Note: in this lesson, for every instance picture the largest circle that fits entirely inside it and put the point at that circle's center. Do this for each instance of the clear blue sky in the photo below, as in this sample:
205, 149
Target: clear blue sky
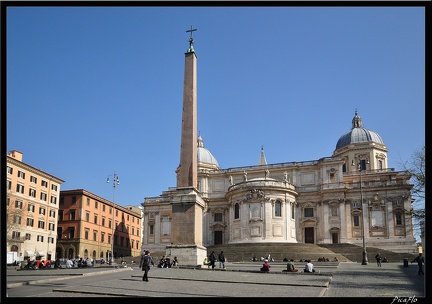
93, 91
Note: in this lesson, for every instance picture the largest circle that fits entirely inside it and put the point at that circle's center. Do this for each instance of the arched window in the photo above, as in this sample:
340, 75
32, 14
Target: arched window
236, 211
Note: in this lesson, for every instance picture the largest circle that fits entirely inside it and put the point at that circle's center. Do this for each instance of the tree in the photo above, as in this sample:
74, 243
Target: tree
416, 167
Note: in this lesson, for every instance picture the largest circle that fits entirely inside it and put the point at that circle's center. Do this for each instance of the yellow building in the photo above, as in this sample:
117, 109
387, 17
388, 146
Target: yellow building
32, 209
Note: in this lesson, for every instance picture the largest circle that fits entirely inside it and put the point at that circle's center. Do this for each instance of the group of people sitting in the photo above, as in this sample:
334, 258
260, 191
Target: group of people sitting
309, 267
165, 262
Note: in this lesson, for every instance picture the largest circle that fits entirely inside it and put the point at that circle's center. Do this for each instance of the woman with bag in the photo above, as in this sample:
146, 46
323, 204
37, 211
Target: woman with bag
145, 262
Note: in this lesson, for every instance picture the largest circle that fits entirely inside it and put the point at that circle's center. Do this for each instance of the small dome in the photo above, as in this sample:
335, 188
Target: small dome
204, 155
358, 134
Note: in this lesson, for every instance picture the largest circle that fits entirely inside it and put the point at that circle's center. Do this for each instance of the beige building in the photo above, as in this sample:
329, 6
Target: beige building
32, 209
349, 197
91, 226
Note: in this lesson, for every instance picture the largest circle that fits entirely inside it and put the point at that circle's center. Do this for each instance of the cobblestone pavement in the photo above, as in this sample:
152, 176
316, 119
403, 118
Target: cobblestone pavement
239, 280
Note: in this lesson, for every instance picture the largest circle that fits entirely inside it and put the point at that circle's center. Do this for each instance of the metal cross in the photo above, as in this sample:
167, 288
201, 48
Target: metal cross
191, 30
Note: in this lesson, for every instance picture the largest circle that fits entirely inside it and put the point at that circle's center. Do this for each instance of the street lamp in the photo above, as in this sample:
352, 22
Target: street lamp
362, 166
116, 182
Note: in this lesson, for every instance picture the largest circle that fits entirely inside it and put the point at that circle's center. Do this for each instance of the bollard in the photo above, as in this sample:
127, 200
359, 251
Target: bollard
405, 262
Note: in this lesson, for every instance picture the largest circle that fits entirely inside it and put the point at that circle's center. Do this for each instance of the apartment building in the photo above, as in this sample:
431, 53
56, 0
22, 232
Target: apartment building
32, 209
91, 226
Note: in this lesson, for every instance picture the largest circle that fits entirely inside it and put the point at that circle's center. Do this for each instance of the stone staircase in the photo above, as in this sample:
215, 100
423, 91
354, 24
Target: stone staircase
279, 251
297, 251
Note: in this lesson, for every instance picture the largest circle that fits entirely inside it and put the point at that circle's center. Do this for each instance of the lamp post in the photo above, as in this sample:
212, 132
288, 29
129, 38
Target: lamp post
360, 168
116, 182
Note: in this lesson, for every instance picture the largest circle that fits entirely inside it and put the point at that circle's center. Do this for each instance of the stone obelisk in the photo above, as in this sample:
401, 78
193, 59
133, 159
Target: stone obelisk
187, 205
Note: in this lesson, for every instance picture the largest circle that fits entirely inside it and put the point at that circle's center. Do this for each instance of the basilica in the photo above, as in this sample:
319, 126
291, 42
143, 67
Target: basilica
349, 197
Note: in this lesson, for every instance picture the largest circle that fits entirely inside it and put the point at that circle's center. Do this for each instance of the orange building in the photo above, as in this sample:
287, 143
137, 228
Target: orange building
87, 224
31, 209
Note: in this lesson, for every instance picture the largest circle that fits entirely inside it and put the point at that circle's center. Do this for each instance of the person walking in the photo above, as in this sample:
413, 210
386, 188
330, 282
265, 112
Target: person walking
420, 262
212, 259
221, 260
145, 262
378, 259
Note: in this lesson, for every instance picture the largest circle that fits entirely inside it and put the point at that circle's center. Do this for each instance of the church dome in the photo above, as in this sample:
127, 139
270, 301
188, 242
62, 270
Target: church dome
204, 156
358, 134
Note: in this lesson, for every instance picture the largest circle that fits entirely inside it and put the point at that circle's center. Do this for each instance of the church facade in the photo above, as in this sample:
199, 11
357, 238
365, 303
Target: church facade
338, 199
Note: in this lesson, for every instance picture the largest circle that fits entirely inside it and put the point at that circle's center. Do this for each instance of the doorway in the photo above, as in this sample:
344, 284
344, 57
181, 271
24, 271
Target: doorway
309, 235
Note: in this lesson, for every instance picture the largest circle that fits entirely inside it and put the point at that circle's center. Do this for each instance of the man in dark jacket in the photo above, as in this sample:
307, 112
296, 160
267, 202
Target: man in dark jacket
222, 260
212, 259
145, 262
420, 261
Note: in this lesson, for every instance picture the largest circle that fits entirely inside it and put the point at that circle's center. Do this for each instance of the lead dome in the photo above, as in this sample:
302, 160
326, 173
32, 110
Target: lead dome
358, 134
205, 158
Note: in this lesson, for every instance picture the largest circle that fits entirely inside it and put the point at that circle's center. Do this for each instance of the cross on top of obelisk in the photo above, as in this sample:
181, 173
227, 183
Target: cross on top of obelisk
191, 49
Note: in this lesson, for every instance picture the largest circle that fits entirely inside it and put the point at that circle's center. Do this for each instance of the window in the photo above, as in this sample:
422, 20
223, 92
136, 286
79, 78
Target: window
71, 232
52, 213
33, 179
72, 215
95, 235
32, 192
16, 235
133, 230
218, 217
51, 240
151, 230
334, 210
236, 211
18, 204
40, 238
21, 174
28, 236
278, 209
96, 204
86, 234
20, 188
356, 220
60, 232
51, 226
88, 201
308, 212
109, 238
9, 185
73, 199
42, 210
43, 196
60, 215
17, 219
87, 216
30, 222
110, 223
95, 219
103, 207
54, 187
44, 184
344, 168
53, 199
380, 164
102, 237
9, 170
398, 216
103, 222
31, 208
41, 224
292, 211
